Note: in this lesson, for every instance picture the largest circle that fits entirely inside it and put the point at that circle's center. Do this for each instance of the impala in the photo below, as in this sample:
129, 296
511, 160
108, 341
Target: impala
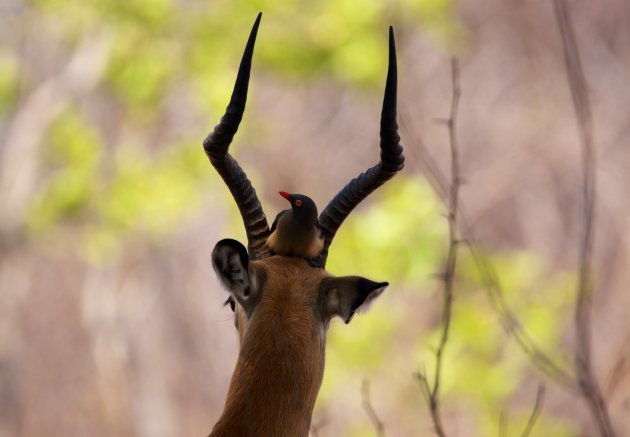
283, 305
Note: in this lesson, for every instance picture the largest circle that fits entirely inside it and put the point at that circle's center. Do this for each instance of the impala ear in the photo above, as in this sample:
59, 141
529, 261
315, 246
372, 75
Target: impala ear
231, 264
348, 294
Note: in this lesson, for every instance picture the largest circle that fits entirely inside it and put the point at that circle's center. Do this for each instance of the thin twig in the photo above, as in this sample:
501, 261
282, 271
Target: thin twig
431, 401
484, 265
587, 381
540, 398
379, 428
451, 262
432, 391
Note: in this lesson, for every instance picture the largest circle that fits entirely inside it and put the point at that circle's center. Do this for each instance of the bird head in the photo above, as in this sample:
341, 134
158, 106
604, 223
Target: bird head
303, 207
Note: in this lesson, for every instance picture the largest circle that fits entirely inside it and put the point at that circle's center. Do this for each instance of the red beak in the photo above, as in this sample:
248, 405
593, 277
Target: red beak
285, 195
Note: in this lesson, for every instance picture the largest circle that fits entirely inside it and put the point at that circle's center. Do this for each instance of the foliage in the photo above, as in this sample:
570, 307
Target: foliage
110, 187
9, 71
107, 191
398, 237
483, 366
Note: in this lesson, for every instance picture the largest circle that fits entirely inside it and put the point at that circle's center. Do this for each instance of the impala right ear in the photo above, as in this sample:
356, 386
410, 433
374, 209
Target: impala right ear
231, 264
346, 295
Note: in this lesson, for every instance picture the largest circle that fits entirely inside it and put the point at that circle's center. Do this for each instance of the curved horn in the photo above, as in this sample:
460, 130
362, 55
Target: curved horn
392, 161
216, 146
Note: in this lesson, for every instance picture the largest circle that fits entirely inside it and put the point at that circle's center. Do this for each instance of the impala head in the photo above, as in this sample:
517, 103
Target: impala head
287, 287
283, 305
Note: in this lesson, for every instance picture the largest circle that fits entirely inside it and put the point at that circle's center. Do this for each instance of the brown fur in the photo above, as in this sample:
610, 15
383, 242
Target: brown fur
284, 308
281, 362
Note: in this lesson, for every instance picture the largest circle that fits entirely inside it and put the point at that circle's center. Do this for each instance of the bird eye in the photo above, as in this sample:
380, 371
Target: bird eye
230, 301
298, 203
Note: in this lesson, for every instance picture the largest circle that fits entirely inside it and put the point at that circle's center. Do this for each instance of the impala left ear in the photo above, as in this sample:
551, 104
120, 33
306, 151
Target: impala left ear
346, 295
231, 264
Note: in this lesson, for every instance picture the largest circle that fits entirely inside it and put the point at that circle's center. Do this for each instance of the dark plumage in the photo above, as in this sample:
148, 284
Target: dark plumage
295, 231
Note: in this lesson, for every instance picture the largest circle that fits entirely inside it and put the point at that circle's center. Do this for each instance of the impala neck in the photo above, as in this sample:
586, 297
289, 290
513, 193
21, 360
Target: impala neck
276, 380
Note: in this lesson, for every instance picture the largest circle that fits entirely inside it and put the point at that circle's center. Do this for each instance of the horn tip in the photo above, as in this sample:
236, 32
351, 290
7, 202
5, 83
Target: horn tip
392, 40
392, 46
257, 22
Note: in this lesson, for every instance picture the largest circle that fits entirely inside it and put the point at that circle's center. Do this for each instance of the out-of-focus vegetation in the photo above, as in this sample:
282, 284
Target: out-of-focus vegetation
159, 50
485, 367
110, 316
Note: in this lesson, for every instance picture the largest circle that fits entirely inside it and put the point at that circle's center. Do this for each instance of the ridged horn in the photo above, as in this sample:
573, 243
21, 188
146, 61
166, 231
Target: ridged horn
391, 162
216, 146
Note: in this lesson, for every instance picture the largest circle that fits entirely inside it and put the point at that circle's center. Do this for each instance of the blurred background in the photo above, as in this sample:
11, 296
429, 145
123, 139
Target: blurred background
111, 318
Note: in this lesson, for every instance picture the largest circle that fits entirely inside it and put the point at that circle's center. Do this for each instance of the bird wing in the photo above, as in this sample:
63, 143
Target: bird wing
275, 221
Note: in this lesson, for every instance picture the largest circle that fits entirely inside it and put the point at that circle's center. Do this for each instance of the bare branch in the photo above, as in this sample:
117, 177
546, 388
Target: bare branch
588, 384
421, 376
425, 388
451, 262
490, 281
540, 398
379, 428
431, 392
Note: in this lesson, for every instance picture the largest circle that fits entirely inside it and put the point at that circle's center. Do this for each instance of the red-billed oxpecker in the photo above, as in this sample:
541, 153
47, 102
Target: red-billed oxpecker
296, 231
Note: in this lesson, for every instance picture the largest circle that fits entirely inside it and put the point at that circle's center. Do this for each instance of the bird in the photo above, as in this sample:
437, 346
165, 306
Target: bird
296, 231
